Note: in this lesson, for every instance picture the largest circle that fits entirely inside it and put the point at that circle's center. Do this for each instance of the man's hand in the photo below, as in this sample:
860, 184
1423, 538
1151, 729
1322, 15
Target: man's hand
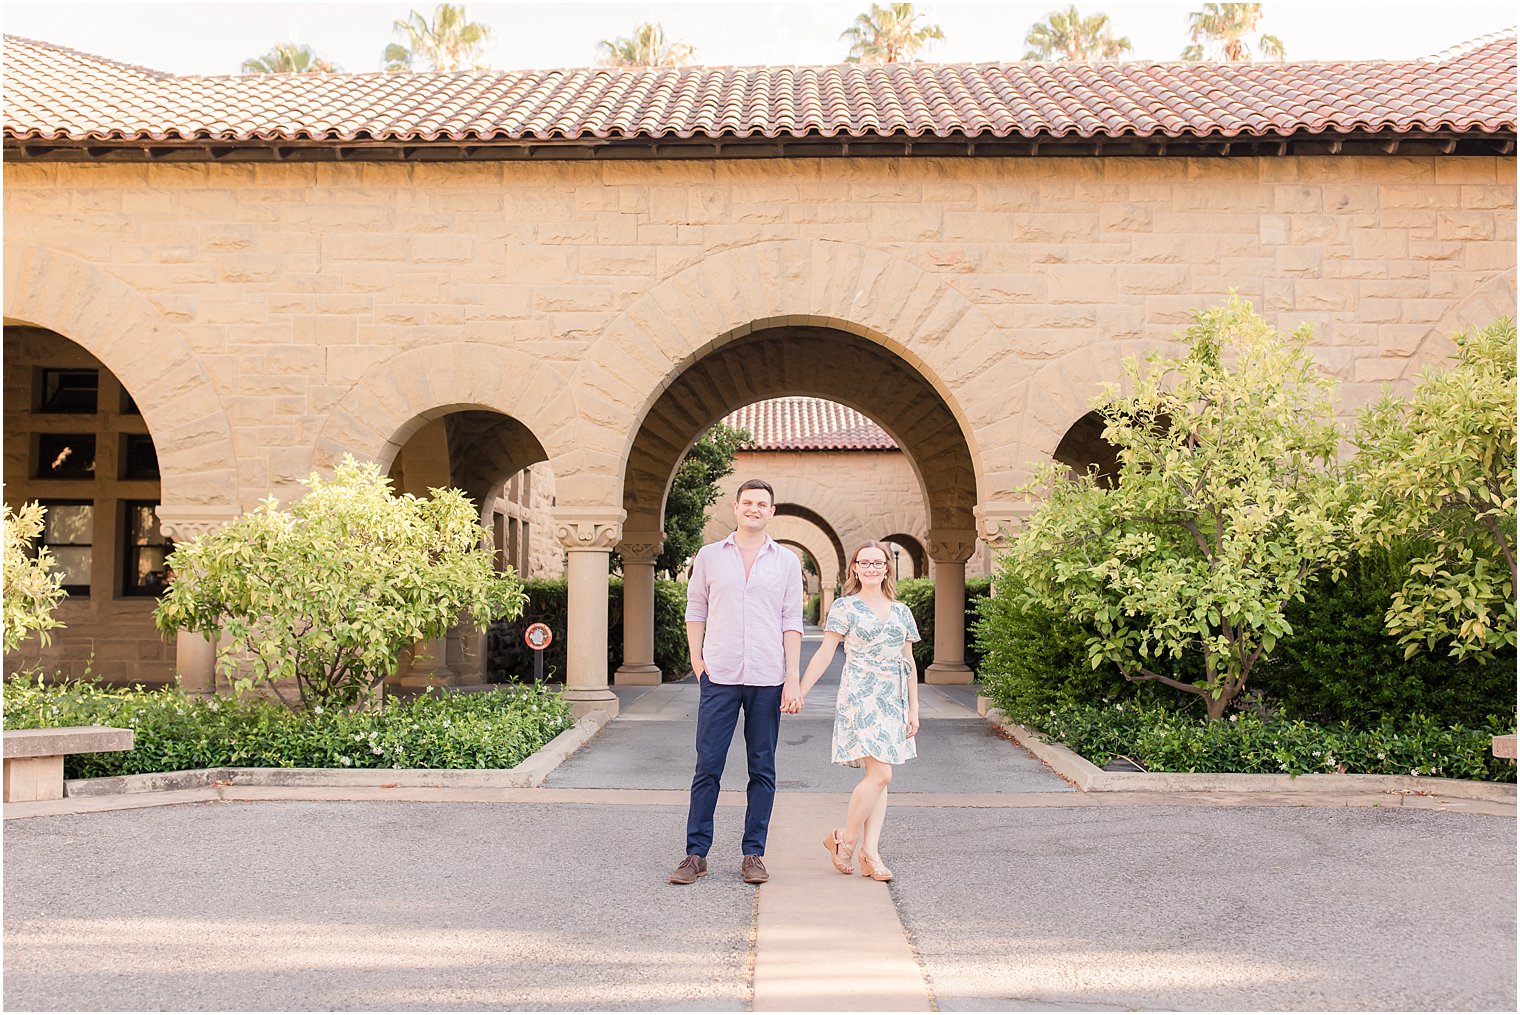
791, 695
699, 667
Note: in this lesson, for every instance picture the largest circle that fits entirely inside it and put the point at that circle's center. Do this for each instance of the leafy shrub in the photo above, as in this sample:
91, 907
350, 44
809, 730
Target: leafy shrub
1164, 740
173, 732
812, 608
1341, 664
330, 592
917, 594
1034, 659
548, 603
31, 587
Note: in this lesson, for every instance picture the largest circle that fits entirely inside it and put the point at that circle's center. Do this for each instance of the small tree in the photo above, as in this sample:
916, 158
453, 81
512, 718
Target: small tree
695, 489
450, 42
32, 587
1441, 466
889, 34
1228, 502
330, 592
646, 47
287, 58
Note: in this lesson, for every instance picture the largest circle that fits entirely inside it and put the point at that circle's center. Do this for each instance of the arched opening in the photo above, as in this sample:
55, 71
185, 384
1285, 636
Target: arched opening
908, 556
77, 442
1084, 450
498, 463
820, 363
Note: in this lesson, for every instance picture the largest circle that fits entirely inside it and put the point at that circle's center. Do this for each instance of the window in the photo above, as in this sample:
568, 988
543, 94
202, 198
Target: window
129, 404
527, 488
69, 390
527, 550
65, 456
144, 572
498, 538
68, 533
512, 544
139, 458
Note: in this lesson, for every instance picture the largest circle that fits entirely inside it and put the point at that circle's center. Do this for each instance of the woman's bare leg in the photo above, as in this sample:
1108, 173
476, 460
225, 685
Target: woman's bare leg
863, 801
872, 847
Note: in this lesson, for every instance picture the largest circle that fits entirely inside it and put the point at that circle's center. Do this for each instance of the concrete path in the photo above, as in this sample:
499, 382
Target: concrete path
1012, 893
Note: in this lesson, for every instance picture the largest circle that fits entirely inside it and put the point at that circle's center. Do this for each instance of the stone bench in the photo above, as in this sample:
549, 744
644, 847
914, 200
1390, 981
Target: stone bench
1504, 747
34, 758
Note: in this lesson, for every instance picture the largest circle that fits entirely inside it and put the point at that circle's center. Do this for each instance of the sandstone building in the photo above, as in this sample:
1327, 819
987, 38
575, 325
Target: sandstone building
215, 285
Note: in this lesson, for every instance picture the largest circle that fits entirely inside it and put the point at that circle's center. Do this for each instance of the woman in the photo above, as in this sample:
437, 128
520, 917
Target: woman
877, 708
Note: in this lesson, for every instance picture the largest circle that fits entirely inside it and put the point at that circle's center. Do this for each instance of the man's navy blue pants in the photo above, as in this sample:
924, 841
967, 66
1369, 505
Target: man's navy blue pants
717, 714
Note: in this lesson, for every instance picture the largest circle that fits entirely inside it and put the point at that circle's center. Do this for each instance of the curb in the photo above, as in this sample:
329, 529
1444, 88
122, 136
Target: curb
1089, 778
526, 774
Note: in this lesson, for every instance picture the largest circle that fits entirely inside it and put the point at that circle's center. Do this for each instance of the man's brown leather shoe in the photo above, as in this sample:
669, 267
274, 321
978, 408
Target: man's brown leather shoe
753, 870
689, 870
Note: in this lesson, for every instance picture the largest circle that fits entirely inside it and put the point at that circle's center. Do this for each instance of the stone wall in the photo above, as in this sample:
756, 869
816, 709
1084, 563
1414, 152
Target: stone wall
269, 318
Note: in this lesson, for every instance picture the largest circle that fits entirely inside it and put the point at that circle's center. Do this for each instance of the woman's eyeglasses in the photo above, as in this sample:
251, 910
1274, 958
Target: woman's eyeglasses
871, 565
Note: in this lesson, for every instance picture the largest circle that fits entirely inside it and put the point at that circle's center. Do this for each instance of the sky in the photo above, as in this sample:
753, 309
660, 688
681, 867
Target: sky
215, 37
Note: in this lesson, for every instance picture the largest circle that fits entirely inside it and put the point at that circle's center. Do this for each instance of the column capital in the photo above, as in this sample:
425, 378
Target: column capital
588, 528
996, 523
951, 545
183, 523
641, 546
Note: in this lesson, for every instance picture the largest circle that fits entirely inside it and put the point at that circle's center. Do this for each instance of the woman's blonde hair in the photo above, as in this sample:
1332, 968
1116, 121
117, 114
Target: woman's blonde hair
852, 580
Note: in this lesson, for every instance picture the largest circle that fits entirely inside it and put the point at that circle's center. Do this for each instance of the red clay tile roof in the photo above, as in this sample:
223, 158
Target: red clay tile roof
808, 424
58, 94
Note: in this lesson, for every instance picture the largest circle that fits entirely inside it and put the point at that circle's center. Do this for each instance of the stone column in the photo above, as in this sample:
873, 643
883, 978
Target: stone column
588, 537
639, 553
194, 653
949, 551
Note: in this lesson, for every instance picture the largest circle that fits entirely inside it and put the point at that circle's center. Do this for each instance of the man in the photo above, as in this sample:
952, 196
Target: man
744, 628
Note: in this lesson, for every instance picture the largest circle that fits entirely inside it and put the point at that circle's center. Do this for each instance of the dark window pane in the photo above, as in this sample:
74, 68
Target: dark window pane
73, 562
65, 456
139, 458
144, 572
70, 390
68, 524
129, 404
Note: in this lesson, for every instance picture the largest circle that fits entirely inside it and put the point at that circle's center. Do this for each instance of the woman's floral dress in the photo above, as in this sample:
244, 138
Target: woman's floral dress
871, 718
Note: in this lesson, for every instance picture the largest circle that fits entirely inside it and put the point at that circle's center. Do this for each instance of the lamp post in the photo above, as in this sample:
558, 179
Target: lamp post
896, 568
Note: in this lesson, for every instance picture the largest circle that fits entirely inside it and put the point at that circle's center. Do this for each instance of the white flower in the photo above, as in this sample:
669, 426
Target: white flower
1382, 756
1414, 771
1233, 717
317, 709
1316, 754
376, 750
343, 759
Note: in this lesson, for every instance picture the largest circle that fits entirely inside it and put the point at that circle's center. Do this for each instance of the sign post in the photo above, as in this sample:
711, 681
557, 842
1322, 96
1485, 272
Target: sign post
538, 638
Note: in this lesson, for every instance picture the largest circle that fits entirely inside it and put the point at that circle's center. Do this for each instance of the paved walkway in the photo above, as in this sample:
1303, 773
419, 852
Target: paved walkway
1013, 893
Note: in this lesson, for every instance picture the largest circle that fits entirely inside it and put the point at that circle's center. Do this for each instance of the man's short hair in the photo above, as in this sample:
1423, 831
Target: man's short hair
755, 484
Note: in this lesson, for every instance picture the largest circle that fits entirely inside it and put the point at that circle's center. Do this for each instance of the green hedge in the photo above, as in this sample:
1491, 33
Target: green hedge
1164, 740
1339, 665
497, 729
509, 659
918, 595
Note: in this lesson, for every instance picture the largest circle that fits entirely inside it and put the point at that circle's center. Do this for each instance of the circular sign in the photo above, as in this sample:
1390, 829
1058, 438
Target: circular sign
538, 636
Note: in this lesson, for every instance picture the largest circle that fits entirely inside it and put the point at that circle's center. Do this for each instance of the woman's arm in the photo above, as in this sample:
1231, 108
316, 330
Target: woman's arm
820, 661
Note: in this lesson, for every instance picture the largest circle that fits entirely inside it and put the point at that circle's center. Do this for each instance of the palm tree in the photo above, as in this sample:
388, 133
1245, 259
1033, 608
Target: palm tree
647, 47
888, 34
1222, 29
1067, 35
287, 58
450, 43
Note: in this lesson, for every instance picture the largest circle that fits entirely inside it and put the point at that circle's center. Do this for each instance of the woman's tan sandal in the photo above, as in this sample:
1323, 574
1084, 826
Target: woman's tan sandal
835, 846
875, 870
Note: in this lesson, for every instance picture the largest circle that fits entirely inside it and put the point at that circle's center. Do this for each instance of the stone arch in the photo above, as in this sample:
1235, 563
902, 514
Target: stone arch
396, 398
916, 552
805, 360
841, 515
1491, 300
847, 290
1083, 447
821, 543
116, 324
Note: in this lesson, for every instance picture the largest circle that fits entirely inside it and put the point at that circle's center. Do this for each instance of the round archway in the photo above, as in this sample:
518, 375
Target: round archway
846, 367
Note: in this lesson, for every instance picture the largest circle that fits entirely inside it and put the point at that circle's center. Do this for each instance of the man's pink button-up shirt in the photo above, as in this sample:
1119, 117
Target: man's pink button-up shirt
745, 617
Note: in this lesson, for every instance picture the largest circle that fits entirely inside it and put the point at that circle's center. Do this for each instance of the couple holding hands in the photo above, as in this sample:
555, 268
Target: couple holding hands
744, 629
